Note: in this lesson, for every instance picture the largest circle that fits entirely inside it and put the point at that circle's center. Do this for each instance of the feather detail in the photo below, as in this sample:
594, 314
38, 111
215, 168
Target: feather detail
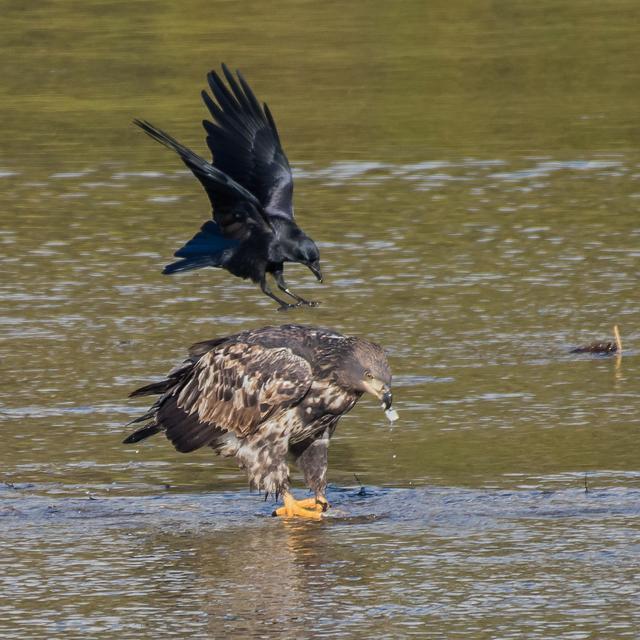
262, 395
245, 143
237, 386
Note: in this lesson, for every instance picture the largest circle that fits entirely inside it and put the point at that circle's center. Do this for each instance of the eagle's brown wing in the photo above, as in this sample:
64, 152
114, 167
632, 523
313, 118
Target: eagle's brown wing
233, 388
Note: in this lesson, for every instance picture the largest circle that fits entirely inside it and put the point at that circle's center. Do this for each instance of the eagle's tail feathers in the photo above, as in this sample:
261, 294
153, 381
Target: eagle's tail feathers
153, 389
142, 434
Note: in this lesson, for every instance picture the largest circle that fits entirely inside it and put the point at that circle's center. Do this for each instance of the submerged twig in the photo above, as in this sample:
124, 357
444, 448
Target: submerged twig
363, 491
586, 482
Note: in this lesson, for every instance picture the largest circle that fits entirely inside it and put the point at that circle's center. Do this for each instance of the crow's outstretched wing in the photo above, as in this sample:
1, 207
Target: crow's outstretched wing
245, 143
236, 210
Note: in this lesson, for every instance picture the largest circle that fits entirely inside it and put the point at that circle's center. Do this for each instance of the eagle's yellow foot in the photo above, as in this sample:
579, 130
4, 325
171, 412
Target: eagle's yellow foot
315, 504
293, 507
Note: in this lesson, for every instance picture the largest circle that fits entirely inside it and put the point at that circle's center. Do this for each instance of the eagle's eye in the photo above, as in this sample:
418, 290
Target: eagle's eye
368, 374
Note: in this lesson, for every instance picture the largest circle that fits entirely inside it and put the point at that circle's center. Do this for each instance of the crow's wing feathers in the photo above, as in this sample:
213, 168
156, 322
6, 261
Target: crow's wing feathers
245, 143
210, 177
237, 210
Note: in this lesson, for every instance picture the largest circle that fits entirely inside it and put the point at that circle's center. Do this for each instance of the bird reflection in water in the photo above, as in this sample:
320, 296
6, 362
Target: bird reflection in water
258, 579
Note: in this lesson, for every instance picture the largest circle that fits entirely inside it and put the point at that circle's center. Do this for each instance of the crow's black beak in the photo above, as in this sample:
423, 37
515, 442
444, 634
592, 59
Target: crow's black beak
315, 269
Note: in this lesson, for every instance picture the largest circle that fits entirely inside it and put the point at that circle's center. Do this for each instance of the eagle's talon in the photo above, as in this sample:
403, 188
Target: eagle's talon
314, 504
293, 507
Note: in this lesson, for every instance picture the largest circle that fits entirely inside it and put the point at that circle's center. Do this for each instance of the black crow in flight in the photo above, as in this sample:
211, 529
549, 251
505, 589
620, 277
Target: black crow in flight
250, 186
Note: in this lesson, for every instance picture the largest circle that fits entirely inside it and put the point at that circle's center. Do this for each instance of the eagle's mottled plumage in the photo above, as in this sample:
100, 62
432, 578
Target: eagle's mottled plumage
264, 394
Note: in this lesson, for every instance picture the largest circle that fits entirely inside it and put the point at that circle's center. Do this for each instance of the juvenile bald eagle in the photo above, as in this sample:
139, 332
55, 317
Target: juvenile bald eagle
250, 187
265, 394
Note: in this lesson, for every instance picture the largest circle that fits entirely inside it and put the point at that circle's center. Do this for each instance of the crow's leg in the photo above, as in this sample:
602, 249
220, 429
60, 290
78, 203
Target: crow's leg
283, 286
265, 289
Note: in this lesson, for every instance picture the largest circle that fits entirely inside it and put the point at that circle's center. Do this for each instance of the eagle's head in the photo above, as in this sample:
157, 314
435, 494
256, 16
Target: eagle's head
366, 369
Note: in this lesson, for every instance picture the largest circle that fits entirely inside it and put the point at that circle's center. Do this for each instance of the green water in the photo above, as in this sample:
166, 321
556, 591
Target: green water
471, 173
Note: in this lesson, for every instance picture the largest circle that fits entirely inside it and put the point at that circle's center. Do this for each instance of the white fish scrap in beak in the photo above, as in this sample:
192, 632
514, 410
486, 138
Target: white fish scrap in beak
392, 414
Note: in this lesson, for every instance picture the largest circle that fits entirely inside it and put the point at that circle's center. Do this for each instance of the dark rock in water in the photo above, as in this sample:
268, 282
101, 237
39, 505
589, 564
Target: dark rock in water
602, 348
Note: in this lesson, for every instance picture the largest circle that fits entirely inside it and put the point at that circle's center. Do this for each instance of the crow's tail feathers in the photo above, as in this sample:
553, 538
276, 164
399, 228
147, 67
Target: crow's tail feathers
190, 264
203, 170
208, 248
209, 241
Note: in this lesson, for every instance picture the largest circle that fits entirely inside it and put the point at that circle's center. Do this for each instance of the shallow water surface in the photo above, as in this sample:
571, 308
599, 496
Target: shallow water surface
436, 561
472, 176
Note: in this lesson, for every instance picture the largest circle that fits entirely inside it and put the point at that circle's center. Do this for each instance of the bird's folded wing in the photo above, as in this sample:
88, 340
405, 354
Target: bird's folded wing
245, 143
238, 386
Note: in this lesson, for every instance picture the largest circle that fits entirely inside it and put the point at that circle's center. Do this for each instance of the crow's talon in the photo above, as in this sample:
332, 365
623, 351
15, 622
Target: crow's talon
286, 307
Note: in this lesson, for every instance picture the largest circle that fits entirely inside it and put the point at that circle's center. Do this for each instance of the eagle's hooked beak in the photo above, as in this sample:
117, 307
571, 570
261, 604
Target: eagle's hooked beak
382, 391
387, 399
315, 269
